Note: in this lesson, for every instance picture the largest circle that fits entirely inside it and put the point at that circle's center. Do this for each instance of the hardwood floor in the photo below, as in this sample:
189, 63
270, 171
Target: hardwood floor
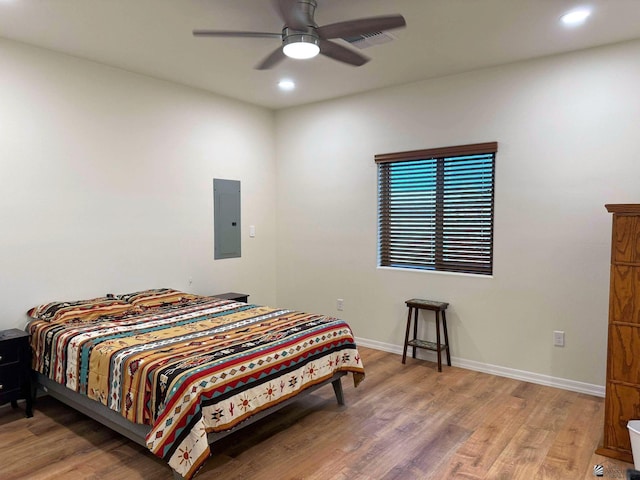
403, 422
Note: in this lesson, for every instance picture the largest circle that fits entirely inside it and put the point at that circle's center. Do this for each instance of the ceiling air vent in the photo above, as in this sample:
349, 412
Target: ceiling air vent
370, 39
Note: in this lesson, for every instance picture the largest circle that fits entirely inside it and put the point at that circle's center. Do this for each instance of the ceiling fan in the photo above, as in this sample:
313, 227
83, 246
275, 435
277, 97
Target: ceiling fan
302, 38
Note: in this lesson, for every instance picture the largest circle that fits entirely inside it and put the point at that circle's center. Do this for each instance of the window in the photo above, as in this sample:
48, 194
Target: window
435, 209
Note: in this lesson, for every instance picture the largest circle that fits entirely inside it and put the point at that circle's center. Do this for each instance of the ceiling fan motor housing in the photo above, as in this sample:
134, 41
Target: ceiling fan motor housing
308, 10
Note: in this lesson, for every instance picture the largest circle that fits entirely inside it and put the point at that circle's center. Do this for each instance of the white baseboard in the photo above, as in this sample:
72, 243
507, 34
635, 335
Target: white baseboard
563, 383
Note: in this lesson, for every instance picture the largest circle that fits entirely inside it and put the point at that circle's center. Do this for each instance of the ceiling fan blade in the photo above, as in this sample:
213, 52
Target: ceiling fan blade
271, 60
292, 15
342, 54
231, 33
362, 26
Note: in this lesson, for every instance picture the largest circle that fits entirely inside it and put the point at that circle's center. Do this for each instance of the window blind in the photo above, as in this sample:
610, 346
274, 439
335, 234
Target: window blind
435, 209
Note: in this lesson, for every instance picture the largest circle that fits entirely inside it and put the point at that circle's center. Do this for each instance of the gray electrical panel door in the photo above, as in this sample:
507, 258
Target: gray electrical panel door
226, 218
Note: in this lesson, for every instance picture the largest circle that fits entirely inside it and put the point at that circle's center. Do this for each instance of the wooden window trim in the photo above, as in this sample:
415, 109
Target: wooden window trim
455, 151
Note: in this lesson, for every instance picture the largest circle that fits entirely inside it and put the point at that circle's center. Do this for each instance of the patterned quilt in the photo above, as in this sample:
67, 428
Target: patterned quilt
192, 367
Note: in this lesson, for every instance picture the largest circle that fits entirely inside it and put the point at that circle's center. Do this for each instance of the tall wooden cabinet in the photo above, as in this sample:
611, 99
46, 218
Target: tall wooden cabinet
622, 401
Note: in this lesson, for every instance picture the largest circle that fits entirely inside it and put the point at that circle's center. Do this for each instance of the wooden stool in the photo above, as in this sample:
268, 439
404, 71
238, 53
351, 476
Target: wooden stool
415, 305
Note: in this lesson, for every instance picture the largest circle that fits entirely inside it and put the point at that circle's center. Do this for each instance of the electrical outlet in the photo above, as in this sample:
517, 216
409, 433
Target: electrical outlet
558, 338
340, 304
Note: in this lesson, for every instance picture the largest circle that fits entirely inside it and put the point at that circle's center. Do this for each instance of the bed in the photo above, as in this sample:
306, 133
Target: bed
175, 371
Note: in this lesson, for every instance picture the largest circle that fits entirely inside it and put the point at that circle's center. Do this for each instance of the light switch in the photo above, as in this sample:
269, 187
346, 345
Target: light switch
252, 231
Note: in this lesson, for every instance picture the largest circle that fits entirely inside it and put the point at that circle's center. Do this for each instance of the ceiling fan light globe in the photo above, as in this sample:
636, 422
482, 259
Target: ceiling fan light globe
301, 47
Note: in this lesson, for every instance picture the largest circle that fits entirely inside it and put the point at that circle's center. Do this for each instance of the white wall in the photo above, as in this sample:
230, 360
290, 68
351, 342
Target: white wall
567, 128
106, 184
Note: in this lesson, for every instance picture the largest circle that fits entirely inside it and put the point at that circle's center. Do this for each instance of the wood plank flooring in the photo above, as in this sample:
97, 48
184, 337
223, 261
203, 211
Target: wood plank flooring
403, 422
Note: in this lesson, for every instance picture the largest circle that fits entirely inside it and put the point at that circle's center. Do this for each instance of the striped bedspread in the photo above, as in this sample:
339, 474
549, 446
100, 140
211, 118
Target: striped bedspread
193, 367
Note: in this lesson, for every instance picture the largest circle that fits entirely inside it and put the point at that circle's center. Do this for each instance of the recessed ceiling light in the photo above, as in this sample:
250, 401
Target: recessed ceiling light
575, 17
286, 84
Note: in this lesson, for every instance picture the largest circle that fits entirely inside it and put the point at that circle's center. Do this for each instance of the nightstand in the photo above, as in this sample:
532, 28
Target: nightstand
238, 297
15, 368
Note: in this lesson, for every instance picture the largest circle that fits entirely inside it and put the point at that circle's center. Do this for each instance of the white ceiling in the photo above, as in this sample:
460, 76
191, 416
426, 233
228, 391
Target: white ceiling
153, 37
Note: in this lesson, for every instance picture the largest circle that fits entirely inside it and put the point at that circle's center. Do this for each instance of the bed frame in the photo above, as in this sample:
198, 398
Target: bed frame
138, 433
